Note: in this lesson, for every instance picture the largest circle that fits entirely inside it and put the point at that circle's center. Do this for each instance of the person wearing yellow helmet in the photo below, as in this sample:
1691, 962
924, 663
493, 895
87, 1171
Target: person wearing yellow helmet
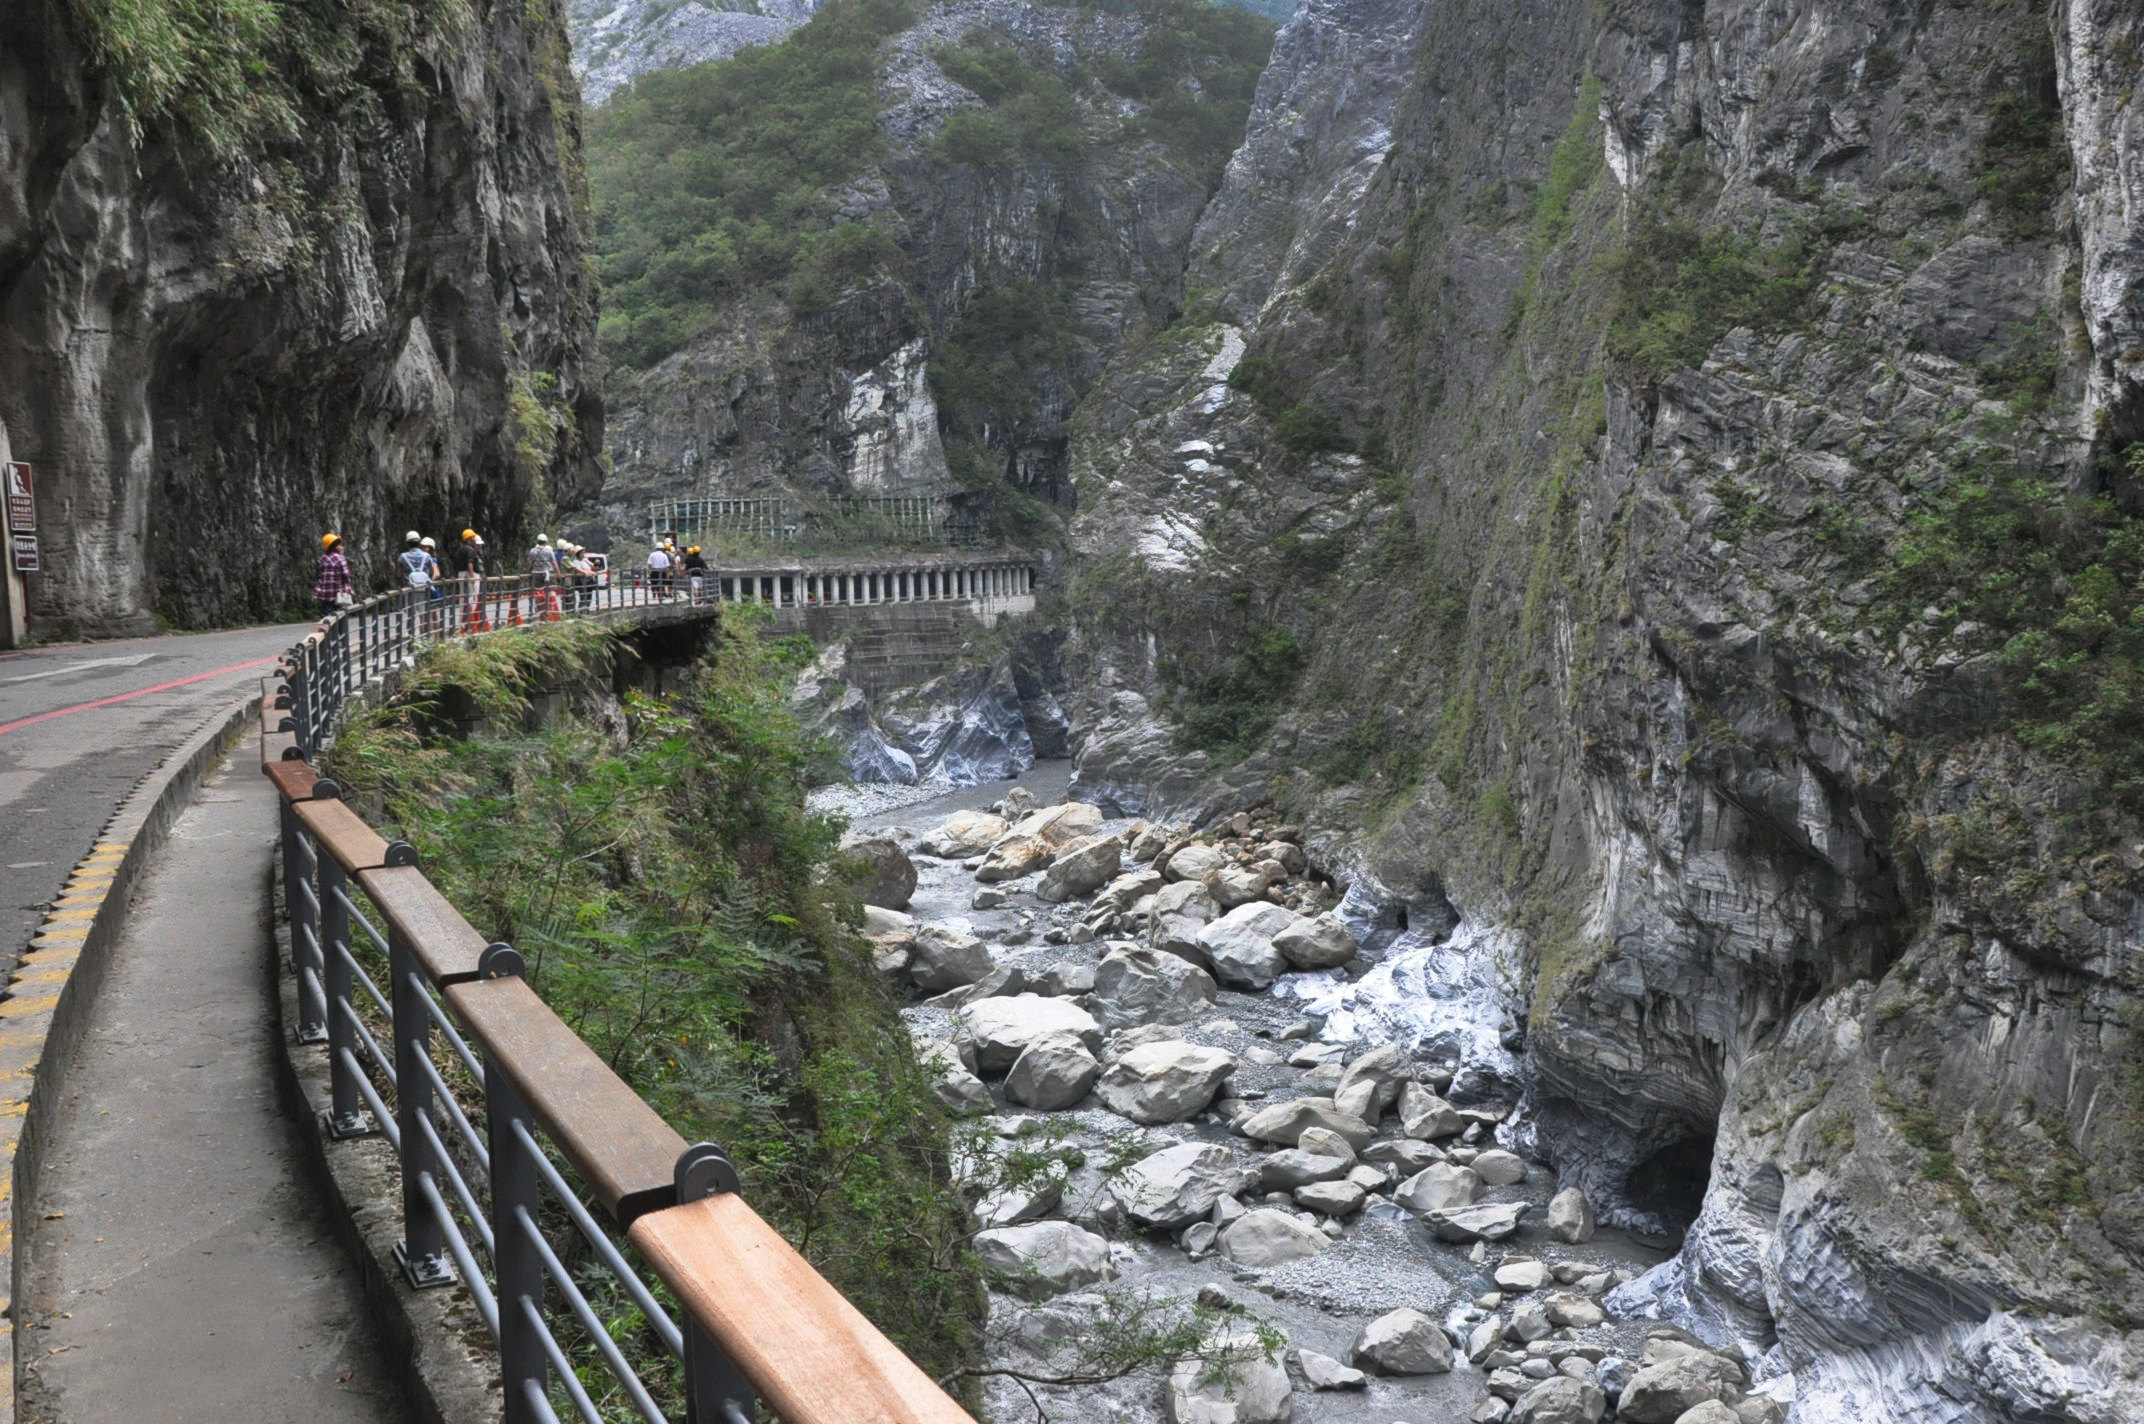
696, 570
331, 584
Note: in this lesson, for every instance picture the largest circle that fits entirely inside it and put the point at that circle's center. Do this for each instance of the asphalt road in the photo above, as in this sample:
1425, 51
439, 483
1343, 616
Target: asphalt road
80, 724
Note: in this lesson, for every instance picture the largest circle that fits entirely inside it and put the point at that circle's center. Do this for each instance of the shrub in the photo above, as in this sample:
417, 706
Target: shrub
1227, 710
2054, 577
2024, 161
1299, 425
1678, 289
665, 881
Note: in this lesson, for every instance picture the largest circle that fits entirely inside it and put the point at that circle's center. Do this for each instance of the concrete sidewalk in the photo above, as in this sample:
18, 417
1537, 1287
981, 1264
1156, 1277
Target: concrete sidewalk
186, 1269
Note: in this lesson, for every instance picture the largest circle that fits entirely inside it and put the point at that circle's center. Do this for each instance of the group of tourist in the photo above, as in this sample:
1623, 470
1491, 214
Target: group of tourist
560, 569
666, 565
566, 567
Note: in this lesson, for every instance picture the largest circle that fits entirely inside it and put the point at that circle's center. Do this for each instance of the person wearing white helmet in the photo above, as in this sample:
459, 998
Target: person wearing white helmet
435, 592
543, 562
415, 562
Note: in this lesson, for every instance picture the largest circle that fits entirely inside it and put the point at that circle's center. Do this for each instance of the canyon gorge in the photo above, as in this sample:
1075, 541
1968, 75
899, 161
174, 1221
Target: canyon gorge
1620, 522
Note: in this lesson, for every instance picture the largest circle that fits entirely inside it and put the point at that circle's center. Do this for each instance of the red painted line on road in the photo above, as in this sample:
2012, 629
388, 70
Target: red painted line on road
7, 727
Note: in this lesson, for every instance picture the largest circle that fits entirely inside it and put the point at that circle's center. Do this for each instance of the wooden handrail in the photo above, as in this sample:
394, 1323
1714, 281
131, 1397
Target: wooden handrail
811, 1355
294, 778
446, 945
342, 834
621, 1147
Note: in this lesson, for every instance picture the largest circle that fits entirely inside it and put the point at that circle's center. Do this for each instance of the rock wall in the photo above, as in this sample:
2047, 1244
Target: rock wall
368, 309
1607, 380
614, 40
845, 400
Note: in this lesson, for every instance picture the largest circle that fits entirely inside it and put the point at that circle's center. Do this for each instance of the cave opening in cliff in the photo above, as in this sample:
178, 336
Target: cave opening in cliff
1670, 1185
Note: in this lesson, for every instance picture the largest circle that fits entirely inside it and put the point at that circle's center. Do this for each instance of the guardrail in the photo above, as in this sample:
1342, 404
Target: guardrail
757, 1321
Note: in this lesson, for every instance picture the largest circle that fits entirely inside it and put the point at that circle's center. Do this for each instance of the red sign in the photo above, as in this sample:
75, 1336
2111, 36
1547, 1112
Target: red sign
25, 553
21, 503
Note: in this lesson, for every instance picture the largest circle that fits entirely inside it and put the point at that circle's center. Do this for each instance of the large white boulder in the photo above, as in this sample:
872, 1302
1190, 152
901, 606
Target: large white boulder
1165, 1082
878, 870
963, 834
946, 958
1463, 1224
1437, 1187
1331, 1198
1266, 1237
1425, 1115
1054, 1071
1013, 857
952, 1081
1403, 1342
1284, 1122
1233, 885
1320, 943
1045, 1258
1232, 1381
1561, 1400
1325, 1372
1058, 826
1192, 862
1180, 911
1178, 1185
1292, 1167
1001, 1028
1239, 945
1663, 1391
1499, 1168
1570, 1216
1081, 868
1141, 986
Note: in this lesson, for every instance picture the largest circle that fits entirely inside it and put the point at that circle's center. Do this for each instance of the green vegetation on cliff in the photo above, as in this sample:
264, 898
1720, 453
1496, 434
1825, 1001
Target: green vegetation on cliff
724, 179
716, 177
2050, 579
656, 865
237, 72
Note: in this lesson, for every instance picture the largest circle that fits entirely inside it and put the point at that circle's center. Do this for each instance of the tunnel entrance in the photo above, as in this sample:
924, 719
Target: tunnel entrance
1669, 1186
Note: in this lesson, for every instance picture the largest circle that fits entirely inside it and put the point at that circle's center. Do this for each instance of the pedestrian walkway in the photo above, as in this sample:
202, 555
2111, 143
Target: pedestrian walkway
184, 1269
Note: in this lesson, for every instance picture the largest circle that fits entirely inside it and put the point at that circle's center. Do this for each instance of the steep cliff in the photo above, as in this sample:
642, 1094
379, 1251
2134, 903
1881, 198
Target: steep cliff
267, 271
613, 40
888, 255
1657, 479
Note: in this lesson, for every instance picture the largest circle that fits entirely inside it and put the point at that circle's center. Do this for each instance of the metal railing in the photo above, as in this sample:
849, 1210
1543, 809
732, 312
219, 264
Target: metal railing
566, 1154
363, 643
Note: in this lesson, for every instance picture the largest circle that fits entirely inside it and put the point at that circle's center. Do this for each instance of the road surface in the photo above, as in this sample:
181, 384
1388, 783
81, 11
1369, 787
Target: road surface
183, 1266
80, 724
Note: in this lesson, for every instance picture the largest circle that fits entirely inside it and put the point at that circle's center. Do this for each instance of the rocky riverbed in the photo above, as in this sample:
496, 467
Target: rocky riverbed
1212, 1098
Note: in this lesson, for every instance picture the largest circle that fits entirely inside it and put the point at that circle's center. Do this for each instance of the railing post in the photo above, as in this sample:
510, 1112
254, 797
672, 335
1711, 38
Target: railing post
715, 1393
302, 896
346, 1113
301, 704
515, 1197
422, 1249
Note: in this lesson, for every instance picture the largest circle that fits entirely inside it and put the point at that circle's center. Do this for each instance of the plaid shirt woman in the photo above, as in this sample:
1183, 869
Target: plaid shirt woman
333, 585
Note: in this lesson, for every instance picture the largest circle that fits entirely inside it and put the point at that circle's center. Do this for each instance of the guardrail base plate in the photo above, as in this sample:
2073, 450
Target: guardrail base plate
424, 1272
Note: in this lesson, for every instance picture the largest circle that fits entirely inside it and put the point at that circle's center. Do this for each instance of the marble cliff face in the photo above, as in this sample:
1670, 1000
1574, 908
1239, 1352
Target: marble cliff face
369, 310
1616, 565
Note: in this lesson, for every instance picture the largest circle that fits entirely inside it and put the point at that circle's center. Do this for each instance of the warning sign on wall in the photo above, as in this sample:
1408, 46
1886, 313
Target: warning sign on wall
21, 501
25, 553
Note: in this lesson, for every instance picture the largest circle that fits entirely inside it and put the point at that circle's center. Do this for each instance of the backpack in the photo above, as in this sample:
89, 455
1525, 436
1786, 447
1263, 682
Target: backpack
416, 567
